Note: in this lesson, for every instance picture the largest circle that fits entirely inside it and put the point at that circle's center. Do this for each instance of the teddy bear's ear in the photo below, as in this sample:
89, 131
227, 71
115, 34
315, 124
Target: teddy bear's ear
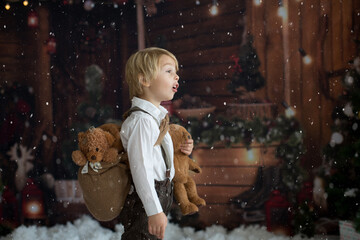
110, 138
81, 136
186, 135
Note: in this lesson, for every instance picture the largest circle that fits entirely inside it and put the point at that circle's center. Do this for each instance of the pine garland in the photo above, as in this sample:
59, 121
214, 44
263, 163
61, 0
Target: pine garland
282, 131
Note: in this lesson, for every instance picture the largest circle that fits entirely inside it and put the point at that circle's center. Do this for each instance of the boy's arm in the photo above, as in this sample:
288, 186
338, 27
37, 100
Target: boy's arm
140, 151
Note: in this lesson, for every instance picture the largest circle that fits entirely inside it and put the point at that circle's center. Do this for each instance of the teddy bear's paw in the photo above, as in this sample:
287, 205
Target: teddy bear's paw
78, 158
198, 201
188, 209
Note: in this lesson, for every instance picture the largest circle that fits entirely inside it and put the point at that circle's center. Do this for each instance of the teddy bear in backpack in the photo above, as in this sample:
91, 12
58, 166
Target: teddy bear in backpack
104, 174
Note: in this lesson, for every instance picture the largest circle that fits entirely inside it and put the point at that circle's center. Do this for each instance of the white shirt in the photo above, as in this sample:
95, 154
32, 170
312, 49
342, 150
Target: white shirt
139, 133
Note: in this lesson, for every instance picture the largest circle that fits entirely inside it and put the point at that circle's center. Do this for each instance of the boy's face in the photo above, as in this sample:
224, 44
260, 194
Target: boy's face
165, 84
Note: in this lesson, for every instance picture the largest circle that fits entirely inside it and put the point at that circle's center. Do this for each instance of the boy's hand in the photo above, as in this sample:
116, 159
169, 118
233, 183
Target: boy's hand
157, 225
187, 147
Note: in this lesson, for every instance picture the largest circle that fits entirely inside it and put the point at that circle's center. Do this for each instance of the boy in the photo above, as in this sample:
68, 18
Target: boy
152, 78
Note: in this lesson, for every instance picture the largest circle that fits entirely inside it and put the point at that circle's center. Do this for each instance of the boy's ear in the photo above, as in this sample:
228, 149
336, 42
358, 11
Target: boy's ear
142, 81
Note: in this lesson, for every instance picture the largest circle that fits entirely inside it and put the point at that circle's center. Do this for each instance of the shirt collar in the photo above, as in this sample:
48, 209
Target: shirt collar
157, 113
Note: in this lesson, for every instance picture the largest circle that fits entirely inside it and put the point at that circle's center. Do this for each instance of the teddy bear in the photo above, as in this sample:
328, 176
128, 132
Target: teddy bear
98, 144
184, 186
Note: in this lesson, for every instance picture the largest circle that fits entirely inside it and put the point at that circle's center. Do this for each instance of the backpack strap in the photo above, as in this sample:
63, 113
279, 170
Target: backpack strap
164, 128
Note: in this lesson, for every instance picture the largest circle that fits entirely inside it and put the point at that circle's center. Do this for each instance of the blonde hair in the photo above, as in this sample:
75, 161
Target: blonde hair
146, 63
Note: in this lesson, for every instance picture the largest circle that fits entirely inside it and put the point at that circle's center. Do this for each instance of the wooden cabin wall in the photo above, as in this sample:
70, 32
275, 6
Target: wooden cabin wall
325, 30
203, 45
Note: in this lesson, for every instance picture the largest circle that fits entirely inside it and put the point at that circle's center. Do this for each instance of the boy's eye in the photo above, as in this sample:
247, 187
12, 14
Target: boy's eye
169, 71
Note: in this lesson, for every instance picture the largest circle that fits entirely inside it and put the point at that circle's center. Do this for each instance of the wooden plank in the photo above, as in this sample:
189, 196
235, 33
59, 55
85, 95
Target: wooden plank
225, 176
311, 91
179, 13
11, 77
222, 38
208, 56
174, 6
235, 157
274, 59
349, 46
190, 29
295, 58
220, 194
356, 7
9, 37
336, 88
10, 49
211, 88
209, 71
326, 8
327, 105
337, 47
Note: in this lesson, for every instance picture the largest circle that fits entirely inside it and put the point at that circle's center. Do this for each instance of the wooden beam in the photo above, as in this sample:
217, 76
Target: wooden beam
140, 24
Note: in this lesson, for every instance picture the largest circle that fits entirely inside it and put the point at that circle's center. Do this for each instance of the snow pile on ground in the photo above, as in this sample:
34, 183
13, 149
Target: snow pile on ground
89, 229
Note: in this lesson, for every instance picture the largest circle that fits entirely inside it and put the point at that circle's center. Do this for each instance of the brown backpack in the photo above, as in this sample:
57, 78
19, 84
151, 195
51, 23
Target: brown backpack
105, 191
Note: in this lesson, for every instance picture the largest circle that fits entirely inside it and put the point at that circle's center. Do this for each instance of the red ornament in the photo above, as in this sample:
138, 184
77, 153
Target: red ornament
32, 201
278, 213
236, 67
51, 45
33, 19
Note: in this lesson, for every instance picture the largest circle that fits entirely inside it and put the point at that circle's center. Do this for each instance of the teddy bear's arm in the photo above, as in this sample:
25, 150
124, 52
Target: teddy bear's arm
180, 174
79, 158
193, 166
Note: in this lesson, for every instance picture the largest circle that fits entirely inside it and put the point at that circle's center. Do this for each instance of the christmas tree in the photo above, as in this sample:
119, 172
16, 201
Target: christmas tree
343, 151
90, 112
246, 74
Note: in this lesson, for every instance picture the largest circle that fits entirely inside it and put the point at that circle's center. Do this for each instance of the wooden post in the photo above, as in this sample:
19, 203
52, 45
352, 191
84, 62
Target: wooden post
140, 24
43, 91
311, 90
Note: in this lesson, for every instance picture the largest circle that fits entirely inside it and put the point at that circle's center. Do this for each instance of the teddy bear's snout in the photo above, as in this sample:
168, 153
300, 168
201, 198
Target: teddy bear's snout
94, 156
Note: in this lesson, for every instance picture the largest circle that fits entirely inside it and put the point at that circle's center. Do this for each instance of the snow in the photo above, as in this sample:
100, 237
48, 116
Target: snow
89, 229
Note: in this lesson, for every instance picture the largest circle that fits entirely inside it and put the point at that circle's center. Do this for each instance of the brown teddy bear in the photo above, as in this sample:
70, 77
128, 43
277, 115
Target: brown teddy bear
98, 144
184, 186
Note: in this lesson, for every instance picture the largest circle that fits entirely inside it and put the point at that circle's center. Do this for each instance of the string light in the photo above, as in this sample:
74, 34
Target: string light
282, 11
214, 8
7, 6
250, 154
289, 111
306, 58
25, 3
257, 2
